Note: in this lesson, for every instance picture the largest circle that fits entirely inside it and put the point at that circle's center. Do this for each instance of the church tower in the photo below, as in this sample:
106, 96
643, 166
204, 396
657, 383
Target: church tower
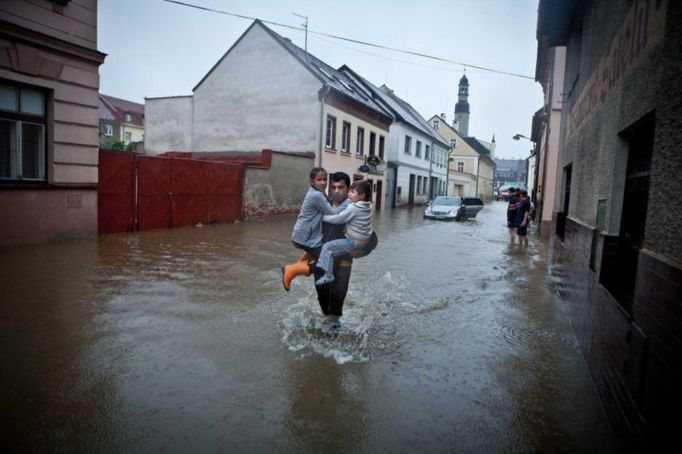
462, 107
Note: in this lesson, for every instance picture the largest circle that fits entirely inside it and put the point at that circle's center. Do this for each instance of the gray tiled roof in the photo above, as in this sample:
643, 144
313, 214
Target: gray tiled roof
402, 110
328, 75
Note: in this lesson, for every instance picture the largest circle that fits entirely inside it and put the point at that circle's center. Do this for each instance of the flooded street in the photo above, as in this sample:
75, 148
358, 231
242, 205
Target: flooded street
184, 340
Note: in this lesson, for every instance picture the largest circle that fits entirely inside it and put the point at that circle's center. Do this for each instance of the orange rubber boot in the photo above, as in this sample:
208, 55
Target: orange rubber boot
289, 272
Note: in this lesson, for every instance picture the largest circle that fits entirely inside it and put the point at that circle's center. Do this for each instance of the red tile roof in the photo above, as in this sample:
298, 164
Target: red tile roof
115, 109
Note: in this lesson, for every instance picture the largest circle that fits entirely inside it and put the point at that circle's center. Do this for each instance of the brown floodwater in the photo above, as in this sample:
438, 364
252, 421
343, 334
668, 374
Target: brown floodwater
184, 340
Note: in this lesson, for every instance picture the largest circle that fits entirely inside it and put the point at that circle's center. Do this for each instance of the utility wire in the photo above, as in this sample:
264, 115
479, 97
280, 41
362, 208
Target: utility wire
356, 41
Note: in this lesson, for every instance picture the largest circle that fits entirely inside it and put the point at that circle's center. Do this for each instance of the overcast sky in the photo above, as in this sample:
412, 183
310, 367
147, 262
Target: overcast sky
157, 48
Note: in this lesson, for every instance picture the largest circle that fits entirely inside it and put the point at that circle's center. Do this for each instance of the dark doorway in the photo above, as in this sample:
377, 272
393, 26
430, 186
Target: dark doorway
640, 139
379, 196
410, 194
561, 216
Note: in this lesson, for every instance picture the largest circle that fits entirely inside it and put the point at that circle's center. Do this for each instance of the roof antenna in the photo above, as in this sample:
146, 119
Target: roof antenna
305, 26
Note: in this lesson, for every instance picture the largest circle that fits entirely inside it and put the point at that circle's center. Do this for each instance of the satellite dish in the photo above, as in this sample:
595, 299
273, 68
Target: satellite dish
381, 167
363, 168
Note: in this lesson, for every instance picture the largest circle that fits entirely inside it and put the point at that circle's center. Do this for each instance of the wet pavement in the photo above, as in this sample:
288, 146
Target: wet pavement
183, 340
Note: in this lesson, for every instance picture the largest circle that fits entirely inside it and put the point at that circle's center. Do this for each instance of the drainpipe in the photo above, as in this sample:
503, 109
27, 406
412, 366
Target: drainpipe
323, 94
433, 149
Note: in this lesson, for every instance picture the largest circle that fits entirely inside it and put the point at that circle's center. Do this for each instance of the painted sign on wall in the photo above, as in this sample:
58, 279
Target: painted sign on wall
642, 29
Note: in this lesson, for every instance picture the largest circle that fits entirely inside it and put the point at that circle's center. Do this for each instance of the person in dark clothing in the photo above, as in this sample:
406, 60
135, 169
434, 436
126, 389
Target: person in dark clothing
523, 217
332, 296
511, 213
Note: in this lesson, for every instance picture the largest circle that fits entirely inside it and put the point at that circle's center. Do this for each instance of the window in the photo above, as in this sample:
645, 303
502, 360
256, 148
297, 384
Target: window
419, 185
345, 137
436, 124
128, 136
129, 117
427, 149
22, 132
382, 142
408, 145
418, 151
372, 140
453, 143
330, 141
460, 166
360, 143
108, 130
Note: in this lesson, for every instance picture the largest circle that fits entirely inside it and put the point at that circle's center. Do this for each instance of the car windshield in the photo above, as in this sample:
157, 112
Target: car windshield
450, 201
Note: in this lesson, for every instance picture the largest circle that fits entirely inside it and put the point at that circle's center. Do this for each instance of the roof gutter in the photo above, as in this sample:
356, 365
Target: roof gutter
324, 91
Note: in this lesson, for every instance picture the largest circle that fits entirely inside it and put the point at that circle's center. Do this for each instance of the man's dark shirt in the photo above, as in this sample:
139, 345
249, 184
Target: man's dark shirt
511, 209
332, 296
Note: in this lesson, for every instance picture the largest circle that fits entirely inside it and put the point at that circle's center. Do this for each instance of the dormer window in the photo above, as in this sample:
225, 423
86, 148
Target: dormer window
436, 124
129, 117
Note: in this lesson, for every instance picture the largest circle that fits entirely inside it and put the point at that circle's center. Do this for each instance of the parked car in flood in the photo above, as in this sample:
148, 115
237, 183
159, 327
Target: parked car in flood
446, 208
472, 206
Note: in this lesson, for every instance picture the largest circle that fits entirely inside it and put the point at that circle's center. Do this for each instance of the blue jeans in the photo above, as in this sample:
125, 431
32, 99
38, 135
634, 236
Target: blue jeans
330, 249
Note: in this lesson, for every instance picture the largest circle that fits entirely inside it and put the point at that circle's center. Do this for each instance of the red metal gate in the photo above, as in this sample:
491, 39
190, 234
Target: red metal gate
149, 192
116, 192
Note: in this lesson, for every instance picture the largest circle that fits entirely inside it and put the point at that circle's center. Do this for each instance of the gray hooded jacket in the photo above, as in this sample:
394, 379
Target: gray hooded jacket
357, 217
308, 228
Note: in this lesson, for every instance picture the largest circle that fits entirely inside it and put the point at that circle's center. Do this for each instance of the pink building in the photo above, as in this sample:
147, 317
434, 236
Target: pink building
49, 84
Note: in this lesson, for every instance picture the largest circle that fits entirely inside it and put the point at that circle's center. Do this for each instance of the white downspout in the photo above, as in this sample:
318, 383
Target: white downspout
325, 91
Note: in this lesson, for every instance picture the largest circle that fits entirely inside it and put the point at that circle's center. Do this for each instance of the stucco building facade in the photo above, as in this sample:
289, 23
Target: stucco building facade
615, 238
267, 93
49, 83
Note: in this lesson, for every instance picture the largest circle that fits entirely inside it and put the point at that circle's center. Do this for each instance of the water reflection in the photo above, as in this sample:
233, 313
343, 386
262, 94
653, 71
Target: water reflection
180, 340
327, 411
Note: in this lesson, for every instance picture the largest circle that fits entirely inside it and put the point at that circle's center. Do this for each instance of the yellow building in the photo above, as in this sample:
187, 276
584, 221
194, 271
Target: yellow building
471, 170
120, 121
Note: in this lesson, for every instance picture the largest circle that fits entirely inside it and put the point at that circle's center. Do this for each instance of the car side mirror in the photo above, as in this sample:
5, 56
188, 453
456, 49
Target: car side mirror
428, 204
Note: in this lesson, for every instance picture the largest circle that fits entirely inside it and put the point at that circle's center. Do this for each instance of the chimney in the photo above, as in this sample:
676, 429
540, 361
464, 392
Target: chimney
492, 147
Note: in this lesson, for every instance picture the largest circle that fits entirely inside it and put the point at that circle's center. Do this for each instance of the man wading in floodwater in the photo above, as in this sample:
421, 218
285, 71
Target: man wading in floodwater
331, 296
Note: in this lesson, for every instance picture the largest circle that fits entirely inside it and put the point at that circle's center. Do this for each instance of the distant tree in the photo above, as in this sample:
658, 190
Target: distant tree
118, 145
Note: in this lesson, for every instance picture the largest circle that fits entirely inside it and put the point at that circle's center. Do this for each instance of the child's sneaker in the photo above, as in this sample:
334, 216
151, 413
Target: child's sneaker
325, 279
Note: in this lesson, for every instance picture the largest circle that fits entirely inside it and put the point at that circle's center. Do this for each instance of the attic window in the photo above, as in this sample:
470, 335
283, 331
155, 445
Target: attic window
129, 117
325, 73
345, 84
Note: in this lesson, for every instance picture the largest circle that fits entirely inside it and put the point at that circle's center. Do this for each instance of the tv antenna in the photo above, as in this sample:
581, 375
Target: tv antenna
305, 26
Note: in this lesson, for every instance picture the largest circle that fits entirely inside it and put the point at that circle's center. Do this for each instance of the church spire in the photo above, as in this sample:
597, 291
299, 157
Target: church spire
462, 106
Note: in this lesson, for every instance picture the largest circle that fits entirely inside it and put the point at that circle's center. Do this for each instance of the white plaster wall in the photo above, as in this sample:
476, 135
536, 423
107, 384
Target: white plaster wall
258, 97
168, 124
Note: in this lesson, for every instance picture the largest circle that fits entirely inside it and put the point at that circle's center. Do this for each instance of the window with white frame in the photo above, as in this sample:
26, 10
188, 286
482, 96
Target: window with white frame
408, 145
360, 142
453, 143
22, 132
108, 130
345, 137
436, 124
128, 136
129, 117
418, 150
460, 166
330, 139
427, 149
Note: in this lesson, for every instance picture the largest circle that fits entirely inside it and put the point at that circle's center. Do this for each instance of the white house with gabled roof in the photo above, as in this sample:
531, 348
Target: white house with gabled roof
417, 156
267, 93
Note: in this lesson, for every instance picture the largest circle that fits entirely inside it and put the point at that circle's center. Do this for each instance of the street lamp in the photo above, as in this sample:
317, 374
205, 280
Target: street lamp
518, 137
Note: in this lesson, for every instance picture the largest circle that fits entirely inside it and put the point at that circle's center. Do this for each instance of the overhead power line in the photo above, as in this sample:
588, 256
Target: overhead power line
356, 41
